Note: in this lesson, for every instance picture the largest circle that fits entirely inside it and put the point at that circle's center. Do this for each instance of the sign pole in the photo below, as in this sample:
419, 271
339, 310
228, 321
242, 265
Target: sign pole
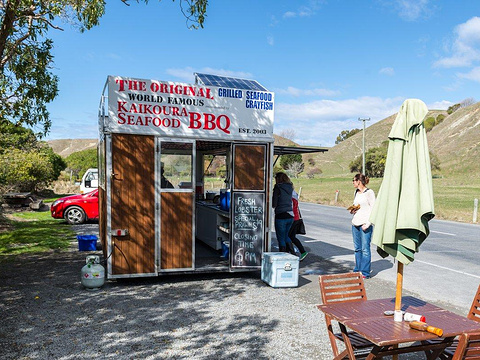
363, 158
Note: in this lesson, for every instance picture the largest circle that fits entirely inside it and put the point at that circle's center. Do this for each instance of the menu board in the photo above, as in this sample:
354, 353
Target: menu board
248, 229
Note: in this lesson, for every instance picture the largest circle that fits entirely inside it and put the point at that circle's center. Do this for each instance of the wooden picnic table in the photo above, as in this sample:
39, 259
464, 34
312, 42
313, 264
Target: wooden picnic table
390, 337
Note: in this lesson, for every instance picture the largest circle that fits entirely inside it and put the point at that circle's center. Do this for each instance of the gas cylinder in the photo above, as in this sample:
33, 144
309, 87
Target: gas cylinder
93, 274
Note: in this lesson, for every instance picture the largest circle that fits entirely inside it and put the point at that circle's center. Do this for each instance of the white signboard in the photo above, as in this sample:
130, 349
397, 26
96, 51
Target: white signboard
171, 109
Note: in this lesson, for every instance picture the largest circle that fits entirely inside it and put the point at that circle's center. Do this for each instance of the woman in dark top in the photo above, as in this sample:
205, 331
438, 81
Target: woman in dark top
283, 205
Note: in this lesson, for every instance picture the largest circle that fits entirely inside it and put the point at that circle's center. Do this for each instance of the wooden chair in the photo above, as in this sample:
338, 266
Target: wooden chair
468, 347
345, 287
473, 314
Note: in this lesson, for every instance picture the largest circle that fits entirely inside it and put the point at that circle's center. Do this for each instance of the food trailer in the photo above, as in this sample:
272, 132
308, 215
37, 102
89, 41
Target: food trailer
157, 140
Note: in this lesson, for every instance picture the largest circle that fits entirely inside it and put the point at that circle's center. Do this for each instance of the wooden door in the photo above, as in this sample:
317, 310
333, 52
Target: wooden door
133, 204
249, 223
176, 164
176, 230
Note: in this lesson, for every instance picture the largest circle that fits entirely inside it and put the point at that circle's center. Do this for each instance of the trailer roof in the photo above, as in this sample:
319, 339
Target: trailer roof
290, 150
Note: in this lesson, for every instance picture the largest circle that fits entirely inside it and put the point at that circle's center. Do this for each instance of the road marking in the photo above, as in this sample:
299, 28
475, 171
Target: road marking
443, 233
446, 268
311, 241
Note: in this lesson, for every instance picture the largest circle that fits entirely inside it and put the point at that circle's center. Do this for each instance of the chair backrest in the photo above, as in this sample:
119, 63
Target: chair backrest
474, 313
342, 287
468, 347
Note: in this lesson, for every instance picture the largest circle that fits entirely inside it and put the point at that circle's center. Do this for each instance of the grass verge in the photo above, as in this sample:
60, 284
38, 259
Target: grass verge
33, 232
453, 199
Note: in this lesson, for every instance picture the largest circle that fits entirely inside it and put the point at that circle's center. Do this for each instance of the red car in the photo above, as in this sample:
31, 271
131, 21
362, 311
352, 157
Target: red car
76, 209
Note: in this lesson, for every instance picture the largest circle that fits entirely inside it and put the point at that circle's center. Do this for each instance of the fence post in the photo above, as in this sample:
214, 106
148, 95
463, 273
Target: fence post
336, 195
299, 193
475, 210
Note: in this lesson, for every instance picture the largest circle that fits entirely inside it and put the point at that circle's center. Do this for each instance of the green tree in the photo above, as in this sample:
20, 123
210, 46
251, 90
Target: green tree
374, 162
453, 108
78, 162
26, 164
15, 137
27, 84
287, 160
376, 158
30, 170
345, 134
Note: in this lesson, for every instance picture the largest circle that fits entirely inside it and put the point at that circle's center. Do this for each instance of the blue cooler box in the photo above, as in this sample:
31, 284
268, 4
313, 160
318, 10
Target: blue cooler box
280, 269
87, 242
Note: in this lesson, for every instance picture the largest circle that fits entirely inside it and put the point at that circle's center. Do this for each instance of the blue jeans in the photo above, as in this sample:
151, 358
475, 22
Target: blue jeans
282, 227
361, 244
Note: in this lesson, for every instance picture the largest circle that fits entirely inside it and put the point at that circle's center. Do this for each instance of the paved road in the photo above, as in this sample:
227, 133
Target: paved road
446, 269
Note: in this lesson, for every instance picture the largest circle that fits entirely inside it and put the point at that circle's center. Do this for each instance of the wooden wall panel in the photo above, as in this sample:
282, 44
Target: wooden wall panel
176, 230
249, 167
133, 203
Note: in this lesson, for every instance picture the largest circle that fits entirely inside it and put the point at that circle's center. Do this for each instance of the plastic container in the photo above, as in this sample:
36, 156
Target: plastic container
225, 199
87, 242
280, 269
225, 249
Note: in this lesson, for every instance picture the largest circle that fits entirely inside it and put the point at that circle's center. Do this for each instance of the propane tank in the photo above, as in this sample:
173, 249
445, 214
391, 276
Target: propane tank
93, 274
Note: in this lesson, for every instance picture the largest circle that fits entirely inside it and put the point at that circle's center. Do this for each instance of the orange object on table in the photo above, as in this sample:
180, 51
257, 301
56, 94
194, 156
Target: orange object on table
419, 325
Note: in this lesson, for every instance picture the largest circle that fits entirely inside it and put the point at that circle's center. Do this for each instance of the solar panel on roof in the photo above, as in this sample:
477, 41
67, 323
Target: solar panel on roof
229, 82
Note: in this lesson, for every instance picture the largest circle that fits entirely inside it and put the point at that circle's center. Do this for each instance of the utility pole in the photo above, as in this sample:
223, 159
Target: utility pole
363, 162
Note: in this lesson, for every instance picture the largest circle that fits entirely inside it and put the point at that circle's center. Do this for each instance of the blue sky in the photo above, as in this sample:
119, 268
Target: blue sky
329, 62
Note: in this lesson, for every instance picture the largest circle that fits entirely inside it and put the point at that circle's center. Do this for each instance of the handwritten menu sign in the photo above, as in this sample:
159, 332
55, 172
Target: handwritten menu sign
248, 228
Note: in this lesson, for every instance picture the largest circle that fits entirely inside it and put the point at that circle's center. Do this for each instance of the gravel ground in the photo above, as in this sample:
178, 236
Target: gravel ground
47, 314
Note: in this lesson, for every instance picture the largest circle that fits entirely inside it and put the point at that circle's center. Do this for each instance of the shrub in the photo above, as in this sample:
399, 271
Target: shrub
81, 161
313, 171
429, 123
439, 119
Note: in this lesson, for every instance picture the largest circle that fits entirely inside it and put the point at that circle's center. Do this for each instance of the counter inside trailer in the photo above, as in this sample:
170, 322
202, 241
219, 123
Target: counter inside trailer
212, 224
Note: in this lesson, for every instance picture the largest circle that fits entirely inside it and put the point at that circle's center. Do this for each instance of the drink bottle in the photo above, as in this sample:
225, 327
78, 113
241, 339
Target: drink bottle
413, 317
419, 325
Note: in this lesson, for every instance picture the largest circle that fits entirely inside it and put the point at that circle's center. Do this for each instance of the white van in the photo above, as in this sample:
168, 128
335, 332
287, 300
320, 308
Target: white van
89, 181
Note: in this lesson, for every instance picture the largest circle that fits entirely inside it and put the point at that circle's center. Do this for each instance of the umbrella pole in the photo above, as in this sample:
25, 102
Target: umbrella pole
398, 294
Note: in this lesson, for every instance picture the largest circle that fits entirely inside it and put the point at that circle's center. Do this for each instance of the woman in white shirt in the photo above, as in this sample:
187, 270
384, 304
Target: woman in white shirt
361, 227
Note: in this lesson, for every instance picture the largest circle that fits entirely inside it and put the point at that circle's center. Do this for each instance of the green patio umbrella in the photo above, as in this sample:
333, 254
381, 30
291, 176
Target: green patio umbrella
405, 201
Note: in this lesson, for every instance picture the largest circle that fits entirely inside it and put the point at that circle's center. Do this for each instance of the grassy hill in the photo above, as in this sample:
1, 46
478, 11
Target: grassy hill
336, 161
455, 141
65, 147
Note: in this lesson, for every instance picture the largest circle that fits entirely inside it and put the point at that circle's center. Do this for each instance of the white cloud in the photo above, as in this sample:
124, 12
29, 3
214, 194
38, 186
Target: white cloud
440, 105
411, 10
292, 91
304, 10
289, 14
474, 75
273, 21
186, 74
465, 49
270, 40
387, 71
319, 122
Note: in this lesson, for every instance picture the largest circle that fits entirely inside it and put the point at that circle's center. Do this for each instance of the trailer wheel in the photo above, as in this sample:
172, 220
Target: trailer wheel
75, 215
